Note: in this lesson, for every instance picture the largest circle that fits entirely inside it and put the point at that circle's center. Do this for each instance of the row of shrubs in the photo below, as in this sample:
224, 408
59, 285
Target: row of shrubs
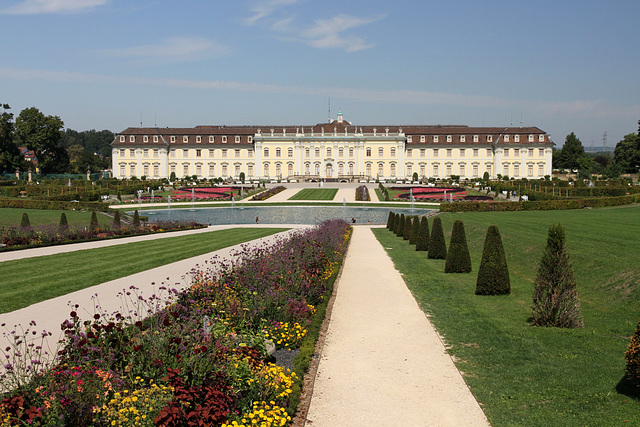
383, 191
268, 193
198, 358
52, 204
540, 205
362, 194
27, 236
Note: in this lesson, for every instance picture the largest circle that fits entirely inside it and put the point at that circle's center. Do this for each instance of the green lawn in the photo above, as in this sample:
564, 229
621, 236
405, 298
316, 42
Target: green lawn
28, 281
315, 194
525, 375
12, 216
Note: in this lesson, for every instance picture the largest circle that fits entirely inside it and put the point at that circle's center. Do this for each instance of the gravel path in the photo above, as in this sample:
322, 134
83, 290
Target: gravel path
383, 364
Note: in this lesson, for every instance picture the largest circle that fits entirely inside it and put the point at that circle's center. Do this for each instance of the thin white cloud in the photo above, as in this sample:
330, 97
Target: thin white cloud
32, 7
177, 49
572, 109
327, 33
263, 9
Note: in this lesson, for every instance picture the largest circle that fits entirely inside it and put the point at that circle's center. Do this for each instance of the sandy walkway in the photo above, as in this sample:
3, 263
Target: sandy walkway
383, 364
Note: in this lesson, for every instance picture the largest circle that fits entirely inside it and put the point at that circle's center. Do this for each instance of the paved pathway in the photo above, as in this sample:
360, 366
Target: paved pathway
383, 364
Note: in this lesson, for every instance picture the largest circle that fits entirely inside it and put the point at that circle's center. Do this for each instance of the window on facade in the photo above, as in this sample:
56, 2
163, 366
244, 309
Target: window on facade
529, 170
475, 170
422, 170
123, 170
185, 153
368, 169
198, 138
211, 152
317, 167
328, 151
266, 169
340, 152
156, 153
290, 168
172, 168
212, 169
463, 170
435, 138
122, 153
250, 170
307, 152
265, 152
199, 169
516, 152
350, 168
132, 152
237, 170
350, 152
422, 138
423, 152
306, 169
463, 138
237, 154
540, 170
505, 170
475, 152
392, 169
489, 169
435, 152
489, 152
250, 153
185, 170
392, 152
449, 170
409, 170
224, 170
530, 153
449, 152
540, 151
340, 168
380, 169
317, 152
462, 152
380, 152
237, 138
224, 139
132, 170
409, 153
278, 169
435, 170
278, 152
198, 153
368, 152
289, 152
516, 170
224, 153
185, 138
506, 152
145, 153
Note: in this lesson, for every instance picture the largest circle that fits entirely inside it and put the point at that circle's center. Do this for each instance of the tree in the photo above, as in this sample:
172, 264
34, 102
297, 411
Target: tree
400, 226
415, 176
406, 232
437, 245
572, 151
627, 153
632, 356
423, 235
493, 273
116, 221
42, 134
458, 259
390, 220
242, 177
415, 229
93, 224
136, 219
10, 158
555, 297
24, 222
64, 224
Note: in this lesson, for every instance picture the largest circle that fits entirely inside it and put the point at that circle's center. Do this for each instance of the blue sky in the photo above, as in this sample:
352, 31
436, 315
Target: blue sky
564, 66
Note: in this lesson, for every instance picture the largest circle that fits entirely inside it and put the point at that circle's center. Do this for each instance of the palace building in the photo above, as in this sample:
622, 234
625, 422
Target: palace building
333, 151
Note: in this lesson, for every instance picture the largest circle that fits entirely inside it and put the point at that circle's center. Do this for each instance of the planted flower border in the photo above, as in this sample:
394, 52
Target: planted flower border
198, 356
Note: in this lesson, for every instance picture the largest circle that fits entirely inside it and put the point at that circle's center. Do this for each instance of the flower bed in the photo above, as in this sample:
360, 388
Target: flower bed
18, 237
437, 193
268, 193
198, 358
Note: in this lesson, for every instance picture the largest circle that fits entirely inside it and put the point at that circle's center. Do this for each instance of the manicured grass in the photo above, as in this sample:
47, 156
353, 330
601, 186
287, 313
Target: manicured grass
25, 282
12, 216
525, 375
315, 194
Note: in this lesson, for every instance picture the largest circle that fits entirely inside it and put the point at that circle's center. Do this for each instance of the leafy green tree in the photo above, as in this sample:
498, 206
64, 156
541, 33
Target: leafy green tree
415, 229
458, 259
10, 158
493, 273
423, 235
437, 245
571, 153
415, 176
555, 296
485, 177
42, 134
25, 222
627, 153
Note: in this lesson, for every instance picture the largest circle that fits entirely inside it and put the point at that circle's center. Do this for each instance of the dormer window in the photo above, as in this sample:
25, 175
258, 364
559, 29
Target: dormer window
122, 138
516, 138
249, 139
211, 138
132, 138
145, 138
421, 138
173, 139
449, 138
155, 138
435, 138
198, 139
506, 138
475, 138
237, 139
224, 139
489, 138
463, 138
530, 138
541, 138
185, 138
409, 138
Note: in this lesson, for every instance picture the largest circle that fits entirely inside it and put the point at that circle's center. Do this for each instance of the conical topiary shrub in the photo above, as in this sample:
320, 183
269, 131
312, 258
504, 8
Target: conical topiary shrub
437, 245
406, 233
394, 222
117, 224
458, 258
415, 229
632, 356
24, 222
136, 219
400, 226
555, 297
422, 244
390, 220
493, 274
63, 221
93, 224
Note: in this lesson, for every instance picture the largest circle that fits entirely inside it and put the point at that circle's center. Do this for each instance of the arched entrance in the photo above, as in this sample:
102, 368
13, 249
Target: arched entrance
329, 170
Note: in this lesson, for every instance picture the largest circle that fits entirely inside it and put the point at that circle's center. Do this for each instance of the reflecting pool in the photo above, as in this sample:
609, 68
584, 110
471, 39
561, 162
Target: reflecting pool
279, 214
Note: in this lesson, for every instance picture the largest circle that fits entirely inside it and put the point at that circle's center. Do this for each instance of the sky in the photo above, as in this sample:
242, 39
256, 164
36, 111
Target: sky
562, 65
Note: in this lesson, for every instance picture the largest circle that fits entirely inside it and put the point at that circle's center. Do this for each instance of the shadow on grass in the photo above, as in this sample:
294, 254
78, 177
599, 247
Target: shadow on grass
628, 388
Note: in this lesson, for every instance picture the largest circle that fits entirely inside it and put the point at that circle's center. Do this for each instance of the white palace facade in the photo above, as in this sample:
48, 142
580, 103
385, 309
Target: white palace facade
336, 150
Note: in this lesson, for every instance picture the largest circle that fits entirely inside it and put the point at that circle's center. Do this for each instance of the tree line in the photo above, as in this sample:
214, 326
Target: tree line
57, 150
625, 159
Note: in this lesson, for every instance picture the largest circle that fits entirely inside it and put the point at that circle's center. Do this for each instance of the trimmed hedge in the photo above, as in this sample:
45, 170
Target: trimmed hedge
423, 235
437, 244
53, 204
547, 205
493, 273
458, 258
